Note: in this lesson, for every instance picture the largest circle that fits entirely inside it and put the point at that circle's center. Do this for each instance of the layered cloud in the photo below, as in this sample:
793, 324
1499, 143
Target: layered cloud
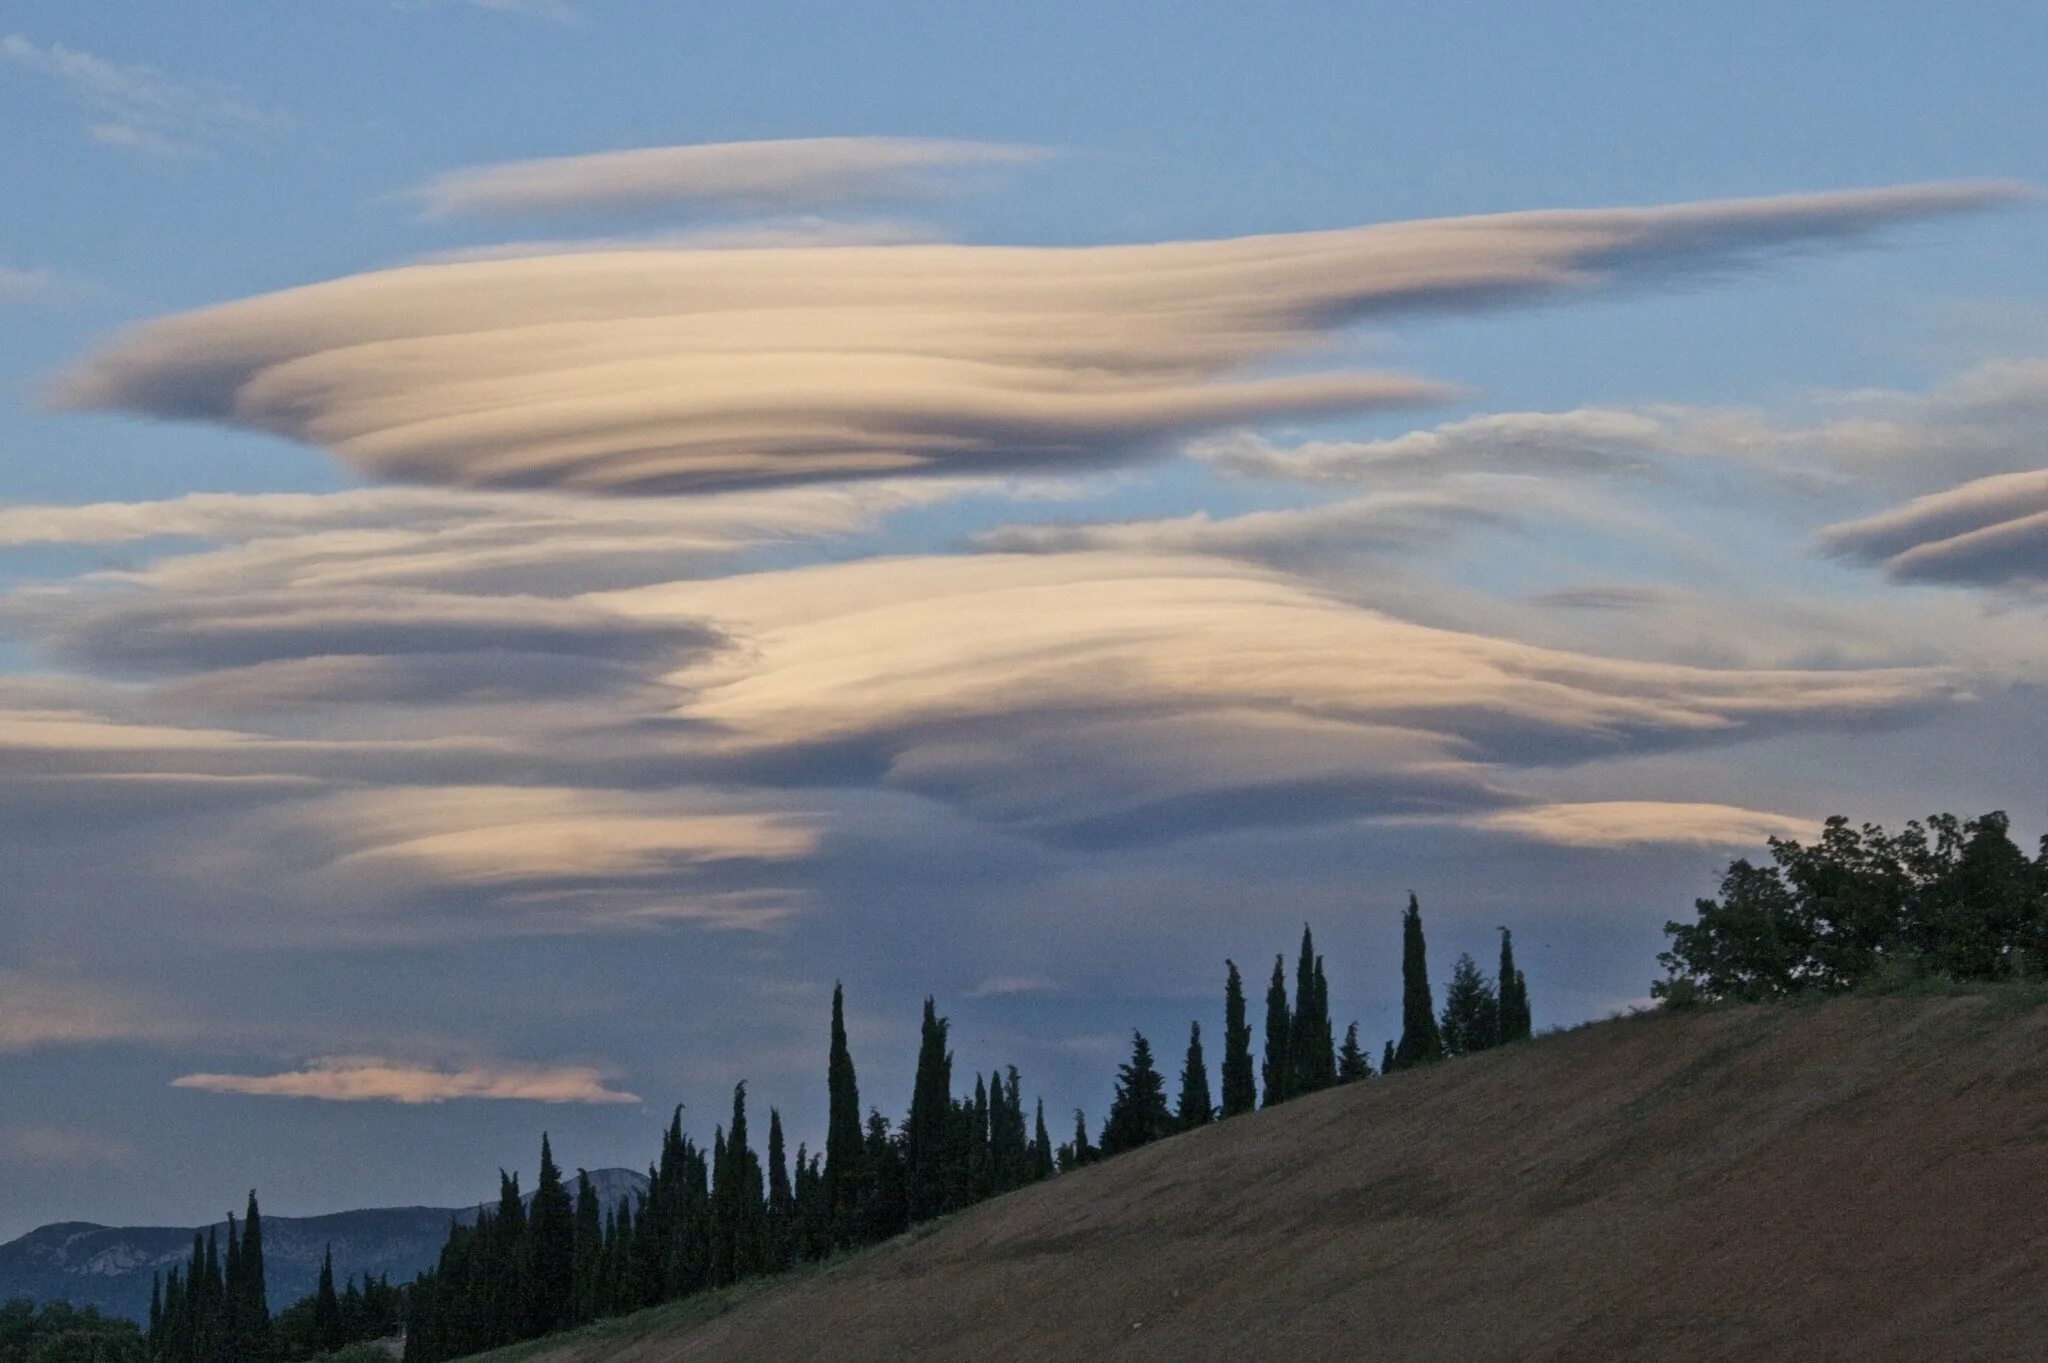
356, 1079
687, 370
538, 836
1990, 532
1105, 695
788, 175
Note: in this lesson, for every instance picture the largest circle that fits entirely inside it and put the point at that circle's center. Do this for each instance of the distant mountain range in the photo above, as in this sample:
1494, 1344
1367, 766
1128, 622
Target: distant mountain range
110, 1266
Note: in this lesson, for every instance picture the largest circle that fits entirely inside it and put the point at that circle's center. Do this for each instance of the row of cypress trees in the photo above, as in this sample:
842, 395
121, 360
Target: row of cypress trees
216, 1309
714, 1217
1300, 1057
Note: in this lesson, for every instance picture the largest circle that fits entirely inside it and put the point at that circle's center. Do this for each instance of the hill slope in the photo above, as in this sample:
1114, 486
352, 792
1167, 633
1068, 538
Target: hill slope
1858, 1180
110, 1266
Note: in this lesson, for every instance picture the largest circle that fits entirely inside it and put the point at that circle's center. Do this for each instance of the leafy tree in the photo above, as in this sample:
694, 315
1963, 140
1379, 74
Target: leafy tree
1420, 1041
1279, 1063
58, 1332
1240, 1092
1195, 1107
1950, 898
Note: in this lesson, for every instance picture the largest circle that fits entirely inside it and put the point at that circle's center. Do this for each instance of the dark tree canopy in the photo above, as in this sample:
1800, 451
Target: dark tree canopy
1949, 898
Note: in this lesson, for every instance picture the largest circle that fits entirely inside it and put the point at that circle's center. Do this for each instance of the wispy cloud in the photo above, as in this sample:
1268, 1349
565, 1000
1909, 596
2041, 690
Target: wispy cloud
670, 371
39, 1011
791, 175
28, 286
360, 1079
1008, 986
139, 107
43, 1144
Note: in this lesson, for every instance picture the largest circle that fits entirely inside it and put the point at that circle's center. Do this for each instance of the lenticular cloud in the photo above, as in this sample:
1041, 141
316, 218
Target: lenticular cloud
679, 371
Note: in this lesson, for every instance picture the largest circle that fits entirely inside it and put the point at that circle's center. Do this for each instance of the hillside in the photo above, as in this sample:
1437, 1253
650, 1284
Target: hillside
110, 1266
1857, 1180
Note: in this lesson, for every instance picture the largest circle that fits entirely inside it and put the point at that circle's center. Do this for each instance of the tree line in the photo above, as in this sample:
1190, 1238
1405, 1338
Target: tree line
58, 1332
1946, 898
717, 1216
215, 1307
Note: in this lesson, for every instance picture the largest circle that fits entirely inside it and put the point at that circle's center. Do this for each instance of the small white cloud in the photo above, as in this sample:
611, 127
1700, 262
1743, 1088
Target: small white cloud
1613, 824
1004, 986
362, 1079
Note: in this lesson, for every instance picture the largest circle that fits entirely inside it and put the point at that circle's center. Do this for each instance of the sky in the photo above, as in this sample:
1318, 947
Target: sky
538, 535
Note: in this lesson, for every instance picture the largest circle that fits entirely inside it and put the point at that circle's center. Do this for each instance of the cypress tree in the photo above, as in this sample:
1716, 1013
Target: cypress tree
1351, 1062
980, 1176
1279, 1036
1323, 1043
781, 1199
1041, 1147
1240, 1090
156, 1314
1309, 1034
928, 1134
1420, 1041
1138, 1114
254, 1309
844, 1144
625, 1255
1195, 1108
213, 1320
1514, 993
550, 1249
326, 1308
231, 1295
1471, 1013
590, 1247
1079, 1152
1387, 1065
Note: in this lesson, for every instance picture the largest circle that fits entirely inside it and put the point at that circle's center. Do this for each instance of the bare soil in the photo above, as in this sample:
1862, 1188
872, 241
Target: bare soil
1865, 1180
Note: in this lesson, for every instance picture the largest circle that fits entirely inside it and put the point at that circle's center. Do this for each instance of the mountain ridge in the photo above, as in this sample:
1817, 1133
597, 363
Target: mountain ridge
109, 1267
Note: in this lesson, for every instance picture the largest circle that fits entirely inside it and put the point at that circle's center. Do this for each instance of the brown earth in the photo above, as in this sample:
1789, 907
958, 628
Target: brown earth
1862, 1180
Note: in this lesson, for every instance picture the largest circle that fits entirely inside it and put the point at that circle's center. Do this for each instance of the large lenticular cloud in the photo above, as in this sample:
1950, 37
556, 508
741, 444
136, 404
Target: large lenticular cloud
685, 370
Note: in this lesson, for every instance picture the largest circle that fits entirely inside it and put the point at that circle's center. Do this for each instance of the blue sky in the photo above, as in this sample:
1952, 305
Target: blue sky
1706, 527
